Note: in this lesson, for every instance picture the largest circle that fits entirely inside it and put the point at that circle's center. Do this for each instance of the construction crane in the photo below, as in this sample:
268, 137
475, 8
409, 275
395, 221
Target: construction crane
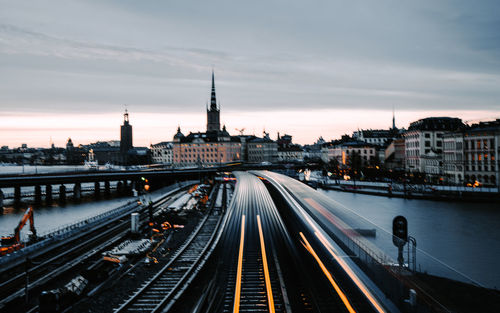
240, 131
13, 243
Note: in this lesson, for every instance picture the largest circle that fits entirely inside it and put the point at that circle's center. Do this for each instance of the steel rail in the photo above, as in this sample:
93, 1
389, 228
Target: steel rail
111, 233
169, 277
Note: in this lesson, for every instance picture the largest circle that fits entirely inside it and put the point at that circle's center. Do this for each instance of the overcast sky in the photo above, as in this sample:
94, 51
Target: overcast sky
308, 68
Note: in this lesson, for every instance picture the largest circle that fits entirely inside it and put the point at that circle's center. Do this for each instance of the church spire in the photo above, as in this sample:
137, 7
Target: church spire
213, 113
213, 101
393, 118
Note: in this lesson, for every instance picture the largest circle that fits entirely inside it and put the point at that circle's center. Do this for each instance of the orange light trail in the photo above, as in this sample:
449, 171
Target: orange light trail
328, 275
266, 269
351, 274
339, 260
237, 292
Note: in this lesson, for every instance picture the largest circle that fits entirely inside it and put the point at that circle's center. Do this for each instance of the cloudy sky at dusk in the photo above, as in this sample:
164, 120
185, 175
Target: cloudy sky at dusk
307, 68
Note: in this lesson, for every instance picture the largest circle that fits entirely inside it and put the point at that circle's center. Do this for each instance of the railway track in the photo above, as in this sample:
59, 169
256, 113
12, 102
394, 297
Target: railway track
65, 256
160, 292
253, 282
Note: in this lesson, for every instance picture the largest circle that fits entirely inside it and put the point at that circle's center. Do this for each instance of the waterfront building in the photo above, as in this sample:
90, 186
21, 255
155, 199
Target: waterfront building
292, 153
105, 153
424, 136
394, 154
262, 149
210, 148
379, 137
343, 152
453, 157
163, 152
313, 152
432, 164
287, 151
74, 155
481, 153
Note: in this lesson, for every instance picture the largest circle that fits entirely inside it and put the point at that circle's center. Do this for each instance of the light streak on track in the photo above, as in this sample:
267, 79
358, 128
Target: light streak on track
351, 274
237, 292
266, 269
328, 275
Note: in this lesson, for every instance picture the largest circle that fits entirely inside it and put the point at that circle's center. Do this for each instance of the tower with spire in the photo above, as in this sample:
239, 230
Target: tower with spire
125, 135
213, 113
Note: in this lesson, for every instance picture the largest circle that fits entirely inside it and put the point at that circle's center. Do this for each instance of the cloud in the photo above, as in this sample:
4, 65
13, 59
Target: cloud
94, 56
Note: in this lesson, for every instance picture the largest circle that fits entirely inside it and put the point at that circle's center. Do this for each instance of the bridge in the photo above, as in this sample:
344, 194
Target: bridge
126, 180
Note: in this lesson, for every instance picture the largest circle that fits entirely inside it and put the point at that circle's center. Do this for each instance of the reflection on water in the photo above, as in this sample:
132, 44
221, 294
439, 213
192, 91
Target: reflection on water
466, 236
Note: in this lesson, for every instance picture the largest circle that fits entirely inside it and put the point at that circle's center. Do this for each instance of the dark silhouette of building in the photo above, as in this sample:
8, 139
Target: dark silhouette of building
213, 113
126, 137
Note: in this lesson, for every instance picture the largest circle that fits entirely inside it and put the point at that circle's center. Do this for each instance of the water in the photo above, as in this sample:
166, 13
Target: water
48, 218
46, 169
465, 236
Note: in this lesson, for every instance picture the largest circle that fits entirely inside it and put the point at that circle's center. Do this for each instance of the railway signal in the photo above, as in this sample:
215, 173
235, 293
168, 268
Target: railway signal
400, 236
399, 231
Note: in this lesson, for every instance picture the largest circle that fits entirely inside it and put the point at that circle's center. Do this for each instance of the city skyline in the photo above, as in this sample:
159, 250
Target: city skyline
322, 69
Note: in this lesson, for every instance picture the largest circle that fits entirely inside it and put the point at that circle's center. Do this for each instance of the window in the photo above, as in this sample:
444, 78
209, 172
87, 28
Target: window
427, 143
427, 135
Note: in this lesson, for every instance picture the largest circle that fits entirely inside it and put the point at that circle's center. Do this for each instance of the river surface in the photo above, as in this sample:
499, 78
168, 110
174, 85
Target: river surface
460, 235
50, 218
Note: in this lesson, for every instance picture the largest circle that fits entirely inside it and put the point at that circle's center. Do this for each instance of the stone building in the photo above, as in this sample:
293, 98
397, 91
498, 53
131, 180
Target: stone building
424, 136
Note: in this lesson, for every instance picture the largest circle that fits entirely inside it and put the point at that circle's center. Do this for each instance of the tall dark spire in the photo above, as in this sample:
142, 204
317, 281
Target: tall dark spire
393, 118
213, 101
213, 114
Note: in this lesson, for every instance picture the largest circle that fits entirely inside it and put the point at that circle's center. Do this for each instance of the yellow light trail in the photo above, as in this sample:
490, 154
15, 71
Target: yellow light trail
328, 275
351, 274
237, 292
266, 269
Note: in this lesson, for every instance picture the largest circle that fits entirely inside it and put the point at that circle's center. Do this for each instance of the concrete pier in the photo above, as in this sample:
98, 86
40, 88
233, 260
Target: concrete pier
107, 190
77, 191
17, 196
48, 194
38, 195
97, 189
62, 194
119, 188
126, 188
